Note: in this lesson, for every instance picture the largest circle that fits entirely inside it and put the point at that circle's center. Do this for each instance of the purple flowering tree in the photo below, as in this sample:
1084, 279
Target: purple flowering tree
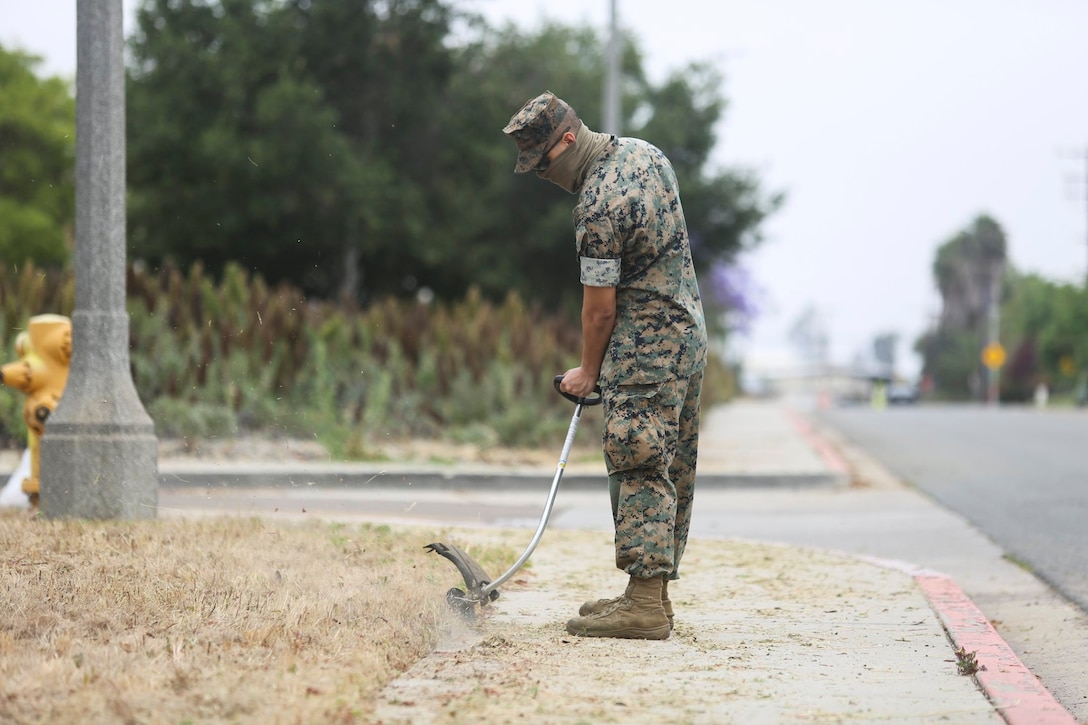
731, 297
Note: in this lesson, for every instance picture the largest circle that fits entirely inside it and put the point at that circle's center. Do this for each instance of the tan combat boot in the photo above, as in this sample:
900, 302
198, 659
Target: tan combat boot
666, 603
638, 614
592, 607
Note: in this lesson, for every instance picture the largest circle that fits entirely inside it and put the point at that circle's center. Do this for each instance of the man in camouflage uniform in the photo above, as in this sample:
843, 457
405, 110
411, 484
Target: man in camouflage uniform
643, 340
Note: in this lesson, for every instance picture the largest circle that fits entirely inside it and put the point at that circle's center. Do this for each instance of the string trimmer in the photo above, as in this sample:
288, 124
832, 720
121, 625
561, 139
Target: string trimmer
481, 589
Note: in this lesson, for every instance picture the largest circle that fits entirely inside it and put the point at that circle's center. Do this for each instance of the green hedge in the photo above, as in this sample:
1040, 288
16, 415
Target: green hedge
220, 357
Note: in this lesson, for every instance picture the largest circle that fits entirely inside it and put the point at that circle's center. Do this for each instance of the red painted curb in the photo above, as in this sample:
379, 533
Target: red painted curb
1015, 692
827, 451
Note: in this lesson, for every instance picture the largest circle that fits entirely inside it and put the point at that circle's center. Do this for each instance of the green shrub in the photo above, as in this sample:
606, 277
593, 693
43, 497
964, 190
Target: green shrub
176, 418
216, 358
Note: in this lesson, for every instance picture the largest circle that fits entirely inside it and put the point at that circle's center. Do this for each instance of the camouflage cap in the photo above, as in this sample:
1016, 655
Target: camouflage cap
538, 126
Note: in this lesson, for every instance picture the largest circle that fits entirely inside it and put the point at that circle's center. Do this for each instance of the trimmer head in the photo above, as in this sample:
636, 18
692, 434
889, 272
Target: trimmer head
475, 577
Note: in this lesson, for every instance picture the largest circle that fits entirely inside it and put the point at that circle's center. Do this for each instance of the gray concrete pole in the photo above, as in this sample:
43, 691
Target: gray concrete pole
612, 123
99, 454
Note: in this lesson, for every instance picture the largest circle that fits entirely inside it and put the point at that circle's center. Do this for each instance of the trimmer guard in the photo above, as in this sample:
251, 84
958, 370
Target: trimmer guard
475, 576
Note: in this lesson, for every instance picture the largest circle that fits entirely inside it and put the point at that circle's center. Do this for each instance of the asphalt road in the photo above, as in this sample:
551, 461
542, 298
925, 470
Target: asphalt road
1018, 474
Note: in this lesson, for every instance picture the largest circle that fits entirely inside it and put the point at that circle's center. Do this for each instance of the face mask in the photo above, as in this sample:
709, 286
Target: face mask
563, 171
568, 172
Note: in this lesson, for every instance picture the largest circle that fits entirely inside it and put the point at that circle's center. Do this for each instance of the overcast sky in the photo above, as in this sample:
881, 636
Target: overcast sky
890, 125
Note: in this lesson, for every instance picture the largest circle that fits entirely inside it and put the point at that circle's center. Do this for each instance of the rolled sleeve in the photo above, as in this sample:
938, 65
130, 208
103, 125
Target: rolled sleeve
599, 272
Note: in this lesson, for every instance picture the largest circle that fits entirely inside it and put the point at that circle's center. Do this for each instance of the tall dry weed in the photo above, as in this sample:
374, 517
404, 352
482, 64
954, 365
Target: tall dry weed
211, 620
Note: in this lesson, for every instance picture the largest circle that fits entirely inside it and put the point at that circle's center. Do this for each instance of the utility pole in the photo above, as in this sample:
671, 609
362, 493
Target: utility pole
99, 455
993, 365
611, 101
1076, 155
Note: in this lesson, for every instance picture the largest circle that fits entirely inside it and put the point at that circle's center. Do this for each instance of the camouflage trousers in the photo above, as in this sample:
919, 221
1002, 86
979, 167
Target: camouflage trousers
651, 441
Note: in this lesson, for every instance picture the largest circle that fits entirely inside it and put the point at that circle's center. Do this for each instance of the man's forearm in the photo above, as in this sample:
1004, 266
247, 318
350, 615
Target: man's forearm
594, 344
598, 321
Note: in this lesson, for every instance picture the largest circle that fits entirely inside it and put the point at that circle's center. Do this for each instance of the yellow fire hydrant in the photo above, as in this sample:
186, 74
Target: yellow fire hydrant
45, 352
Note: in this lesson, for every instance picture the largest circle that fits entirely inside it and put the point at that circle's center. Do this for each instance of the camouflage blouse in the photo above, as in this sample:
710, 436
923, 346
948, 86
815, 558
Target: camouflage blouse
631, 235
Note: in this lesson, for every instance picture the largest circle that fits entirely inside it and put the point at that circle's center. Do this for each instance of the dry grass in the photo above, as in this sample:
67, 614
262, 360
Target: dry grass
213, 620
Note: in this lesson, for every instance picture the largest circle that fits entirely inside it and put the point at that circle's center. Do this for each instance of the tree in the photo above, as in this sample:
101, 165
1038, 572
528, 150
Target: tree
1063, 339
37, 163
354, 147
1025, 314
282, 135
969, 271
951, 361
522, 227
1044, 326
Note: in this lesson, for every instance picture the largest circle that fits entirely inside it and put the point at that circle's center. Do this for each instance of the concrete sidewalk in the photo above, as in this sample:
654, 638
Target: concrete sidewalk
766, 632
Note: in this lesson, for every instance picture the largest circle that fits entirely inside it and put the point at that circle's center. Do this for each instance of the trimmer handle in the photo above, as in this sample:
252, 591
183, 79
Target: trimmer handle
594, 399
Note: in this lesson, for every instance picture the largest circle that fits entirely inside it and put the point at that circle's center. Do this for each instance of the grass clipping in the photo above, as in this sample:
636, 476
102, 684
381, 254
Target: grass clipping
211, 620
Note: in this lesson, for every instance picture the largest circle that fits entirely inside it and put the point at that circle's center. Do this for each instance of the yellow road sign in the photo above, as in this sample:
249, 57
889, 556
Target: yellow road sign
993, 355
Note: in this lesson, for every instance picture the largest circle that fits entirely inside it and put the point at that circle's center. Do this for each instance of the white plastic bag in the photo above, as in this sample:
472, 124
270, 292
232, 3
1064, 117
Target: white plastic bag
13, 495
